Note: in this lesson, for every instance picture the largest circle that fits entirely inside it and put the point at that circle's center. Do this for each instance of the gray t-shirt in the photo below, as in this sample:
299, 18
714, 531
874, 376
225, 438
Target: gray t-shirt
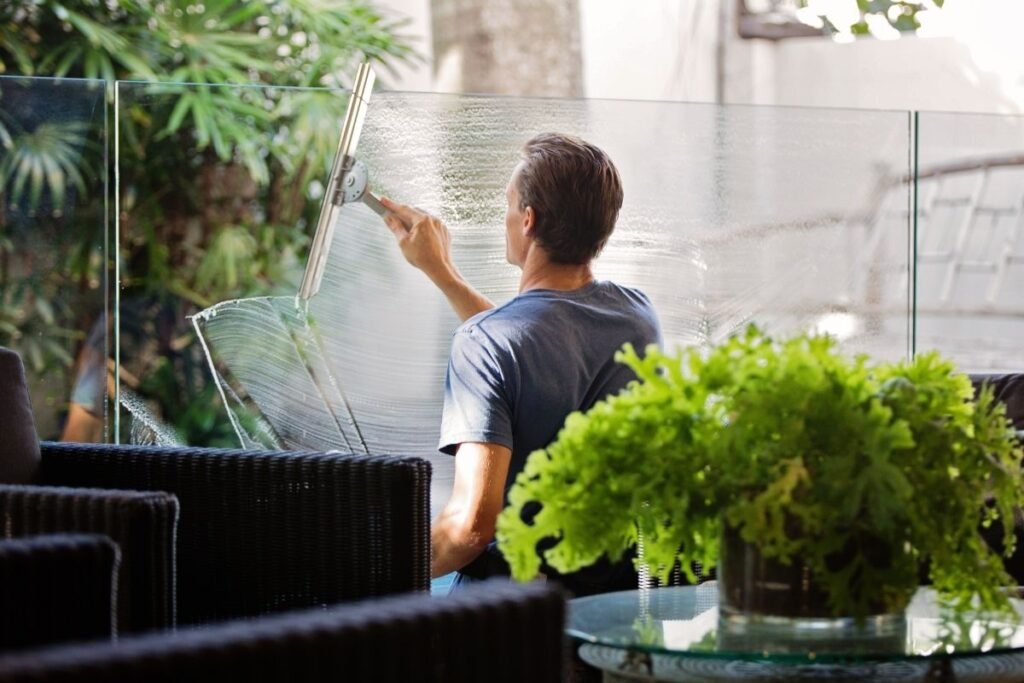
516, 372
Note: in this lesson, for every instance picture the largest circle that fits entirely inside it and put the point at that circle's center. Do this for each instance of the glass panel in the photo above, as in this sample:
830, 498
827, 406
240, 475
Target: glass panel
218, 187
970, 239
786, 217
53, 264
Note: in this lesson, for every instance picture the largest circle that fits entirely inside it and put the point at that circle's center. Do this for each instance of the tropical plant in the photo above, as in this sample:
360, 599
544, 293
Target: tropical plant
806, 454
218, 182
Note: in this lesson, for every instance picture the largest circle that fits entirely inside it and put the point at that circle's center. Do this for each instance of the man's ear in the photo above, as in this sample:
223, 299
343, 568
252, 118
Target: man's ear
529, 221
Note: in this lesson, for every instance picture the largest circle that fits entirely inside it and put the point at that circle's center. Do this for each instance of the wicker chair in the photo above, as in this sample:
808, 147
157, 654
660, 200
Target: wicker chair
493, 632
141, 523
57, 588
257, 532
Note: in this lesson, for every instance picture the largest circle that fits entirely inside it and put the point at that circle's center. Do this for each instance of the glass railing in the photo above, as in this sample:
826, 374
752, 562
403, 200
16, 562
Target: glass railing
732, 215
54, 241
790, 218
217, 189
970, 239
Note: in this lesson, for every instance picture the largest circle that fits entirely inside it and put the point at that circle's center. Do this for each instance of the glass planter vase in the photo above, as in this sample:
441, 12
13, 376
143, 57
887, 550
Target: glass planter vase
774, 607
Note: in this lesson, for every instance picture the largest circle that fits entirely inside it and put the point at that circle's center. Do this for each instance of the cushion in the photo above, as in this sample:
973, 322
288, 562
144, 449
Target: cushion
19, 444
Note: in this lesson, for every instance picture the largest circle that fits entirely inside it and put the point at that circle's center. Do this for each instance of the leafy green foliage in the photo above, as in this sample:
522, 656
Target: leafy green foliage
862, 470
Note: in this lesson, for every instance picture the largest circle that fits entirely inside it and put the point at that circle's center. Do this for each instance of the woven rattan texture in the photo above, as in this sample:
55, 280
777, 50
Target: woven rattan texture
263, 531
493, 632
57, 588
141, 523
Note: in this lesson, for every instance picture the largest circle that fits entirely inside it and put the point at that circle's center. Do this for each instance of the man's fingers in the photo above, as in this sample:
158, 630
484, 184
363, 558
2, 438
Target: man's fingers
408, 214
395, 225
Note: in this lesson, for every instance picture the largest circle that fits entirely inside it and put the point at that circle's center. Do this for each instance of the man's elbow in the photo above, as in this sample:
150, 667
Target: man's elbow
474, 536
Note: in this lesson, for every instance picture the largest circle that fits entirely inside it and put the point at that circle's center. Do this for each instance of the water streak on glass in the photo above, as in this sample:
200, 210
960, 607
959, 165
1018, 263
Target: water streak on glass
145, 429
790, 218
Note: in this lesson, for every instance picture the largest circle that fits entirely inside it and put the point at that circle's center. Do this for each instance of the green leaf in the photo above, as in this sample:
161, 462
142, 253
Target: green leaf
906, 22
97, 34
178, 114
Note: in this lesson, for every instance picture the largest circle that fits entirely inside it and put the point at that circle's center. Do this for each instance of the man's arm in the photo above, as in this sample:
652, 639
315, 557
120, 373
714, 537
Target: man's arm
426, 243
466, 525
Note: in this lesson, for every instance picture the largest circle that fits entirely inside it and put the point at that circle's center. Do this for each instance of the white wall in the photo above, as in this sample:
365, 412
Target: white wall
971, 59
911, 73
967, 58
650, 50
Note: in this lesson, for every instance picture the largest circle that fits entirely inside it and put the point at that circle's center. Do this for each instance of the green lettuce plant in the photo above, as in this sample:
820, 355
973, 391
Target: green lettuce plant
806, 453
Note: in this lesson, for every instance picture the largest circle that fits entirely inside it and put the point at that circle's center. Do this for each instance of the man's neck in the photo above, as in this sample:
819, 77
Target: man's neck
541, 273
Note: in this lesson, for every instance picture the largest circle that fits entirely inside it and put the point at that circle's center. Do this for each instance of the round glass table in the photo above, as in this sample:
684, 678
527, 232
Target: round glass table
675, 634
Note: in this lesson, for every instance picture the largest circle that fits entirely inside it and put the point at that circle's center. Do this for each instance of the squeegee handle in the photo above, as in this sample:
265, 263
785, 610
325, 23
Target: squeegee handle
374, 203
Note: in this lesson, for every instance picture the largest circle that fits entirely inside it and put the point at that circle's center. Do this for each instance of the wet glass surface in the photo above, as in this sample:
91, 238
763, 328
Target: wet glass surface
732, 215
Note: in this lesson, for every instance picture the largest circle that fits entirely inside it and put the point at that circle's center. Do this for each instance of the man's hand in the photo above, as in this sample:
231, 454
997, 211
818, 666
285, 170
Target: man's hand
424, 239
426, 244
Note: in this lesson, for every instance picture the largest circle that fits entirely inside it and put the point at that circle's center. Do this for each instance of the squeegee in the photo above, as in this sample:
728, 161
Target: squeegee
347, 183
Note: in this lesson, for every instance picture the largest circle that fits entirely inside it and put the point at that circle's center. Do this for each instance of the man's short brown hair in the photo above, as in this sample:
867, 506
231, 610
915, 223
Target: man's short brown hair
575, 192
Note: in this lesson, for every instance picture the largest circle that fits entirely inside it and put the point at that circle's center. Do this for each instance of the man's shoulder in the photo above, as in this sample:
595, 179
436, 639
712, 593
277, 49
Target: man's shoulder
536, 305
488, 332
548, 312
631, 294
493, 319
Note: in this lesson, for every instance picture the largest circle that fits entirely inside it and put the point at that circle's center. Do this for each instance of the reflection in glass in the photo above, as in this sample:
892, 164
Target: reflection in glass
217, 189
53, 268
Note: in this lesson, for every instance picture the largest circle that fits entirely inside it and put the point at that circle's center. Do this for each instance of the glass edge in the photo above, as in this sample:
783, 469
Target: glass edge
91, 82
531, 98
912, 236
501, 96
109, 250
116, 255
790, 658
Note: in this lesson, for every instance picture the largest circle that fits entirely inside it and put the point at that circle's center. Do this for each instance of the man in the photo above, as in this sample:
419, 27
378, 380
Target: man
517, 370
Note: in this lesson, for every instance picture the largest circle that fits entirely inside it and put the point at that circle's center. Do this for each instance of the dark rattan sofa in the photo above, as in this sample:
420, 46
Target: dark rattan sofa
208, 534
56, 588
494, 632
205, 534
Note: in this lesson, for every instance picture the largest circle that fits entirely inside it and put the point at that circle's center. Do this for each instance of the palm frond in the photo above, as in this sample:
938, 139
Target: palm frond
47, 160
13, 42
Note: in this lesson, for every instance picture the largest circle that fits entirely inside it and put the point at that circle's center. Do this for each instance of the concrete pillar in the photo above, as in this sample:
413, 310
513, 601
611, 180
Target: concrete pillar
508, 47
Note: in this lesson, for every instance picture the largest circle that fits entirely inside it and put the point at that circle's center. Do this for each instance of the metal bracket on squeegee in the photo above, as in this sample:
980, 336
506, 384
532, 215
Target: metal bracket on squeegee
348, 183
